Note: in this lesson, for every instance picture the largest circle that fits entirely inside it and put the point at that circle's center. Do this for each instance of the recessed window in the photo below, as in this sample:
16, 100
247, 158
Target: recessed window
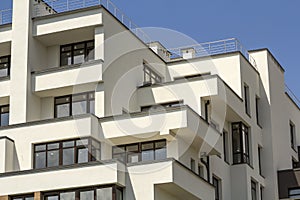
257, 108
92, 193
247, 99
66, 152
240, 143
253, 190
75, 104
200, 170
294, 193
193, 165
163, 105
23, 197
226, 146
150, 77
293, 135
259, 160
132, 153
4, 115
4, 66
76, 53
217, 185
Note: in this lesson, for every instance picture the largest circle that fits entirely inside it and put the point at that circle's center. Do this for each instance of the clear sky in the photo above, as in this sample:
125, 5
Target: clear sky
273, 24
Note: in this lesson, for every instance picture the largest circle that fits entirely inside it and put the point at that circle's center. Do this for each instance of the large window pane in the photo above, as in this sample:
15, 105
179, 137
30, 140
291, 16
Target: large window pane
53, 197
40, 160
67, 196
29, 198
133, 158
83, 155
87, 195
63, 110
5, 119
78, 56
104, 194
53, 158
68, 156
79, 108
66, 58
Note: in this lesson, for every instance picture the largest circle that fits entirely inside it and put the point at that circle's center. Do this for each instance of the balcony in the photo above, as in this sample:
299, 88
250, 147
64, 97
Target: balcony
96, 173
168, 177
61, 80
5, 16
180, 123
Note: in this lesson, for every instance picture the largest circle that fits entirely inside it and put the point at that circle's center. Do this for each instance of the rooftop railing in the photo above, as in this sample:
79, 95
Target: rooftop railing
214, 48
59, 6
5, 16
292, 96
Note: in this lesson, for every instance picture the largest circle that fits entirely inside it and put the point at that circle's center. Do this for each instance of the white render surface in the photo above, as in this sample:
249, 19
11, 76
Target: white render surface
116, 77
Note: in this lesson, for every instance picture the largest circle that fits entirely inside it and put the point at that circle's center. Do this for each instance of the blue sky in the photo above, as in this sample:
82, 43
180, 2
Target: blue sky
257, 24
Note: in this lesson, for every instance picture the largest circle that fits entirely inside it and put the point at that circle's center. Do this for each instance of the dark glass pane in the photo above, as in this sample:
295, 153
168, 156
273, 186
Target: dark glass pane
66, 58
68, 156
119, 194
237, 158
92, 106
17, 198
91, 95
29, 198
160, 144
40, 160
4, 109
79, 46
83, 155
118, 150
67, 196
81, 97
62, 100
52, 146
90, 44
40, 147
63, 110
68, 144
160, 154
66, 48
52, 158
79, 108
236, 140
87, 195
53, 197
148, 146
104, 194
5, 119
132, 148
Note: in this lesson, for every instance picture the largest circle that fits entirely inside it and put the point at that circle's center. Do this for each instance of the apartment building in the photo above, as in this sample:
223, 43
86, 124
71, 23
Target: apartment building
91, 109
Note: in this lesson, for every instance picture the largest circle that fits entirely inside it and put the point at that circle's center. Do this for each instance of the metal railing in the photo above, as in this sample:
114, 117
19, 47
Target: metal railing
292, 96
214, 48
5, 16
60, 6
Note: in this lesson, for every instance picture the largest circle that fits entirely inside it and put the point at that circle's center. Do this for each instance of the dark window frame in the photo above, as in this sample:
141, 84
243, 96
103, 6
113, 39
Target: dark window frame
124, 154
153, 76
71, 45
244, 152
253, 190
226, 146
70, 102
6, 107
247, 100
23, 197
216, 182
293, 135
259, 160
60, 149
77, 192
193, 165
8, 62
257, 106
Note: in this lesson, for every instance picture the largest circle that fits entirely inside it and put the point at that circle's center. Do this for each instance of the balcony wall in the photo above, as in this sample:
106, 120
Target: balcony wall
169, 176
63, 80
108, 172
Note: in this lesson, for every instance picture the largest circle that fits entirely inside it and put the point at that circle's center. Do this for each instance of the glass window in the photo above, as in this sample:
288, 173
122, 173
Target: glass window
292, 135
225, 147
240, 143
87, 195
4, 66
52, 197
67, 196
74, 104
23, 197
66, 152
253, 190
150, 76
145, 151
257, 108
104, 194
247, 99
193, 165
76, 53
4, 112
216, 184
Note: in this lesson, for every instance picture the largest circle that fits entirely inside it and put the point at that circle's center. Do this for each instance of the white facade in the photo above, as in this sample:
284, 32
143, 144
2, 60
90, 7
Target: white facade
199, 122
